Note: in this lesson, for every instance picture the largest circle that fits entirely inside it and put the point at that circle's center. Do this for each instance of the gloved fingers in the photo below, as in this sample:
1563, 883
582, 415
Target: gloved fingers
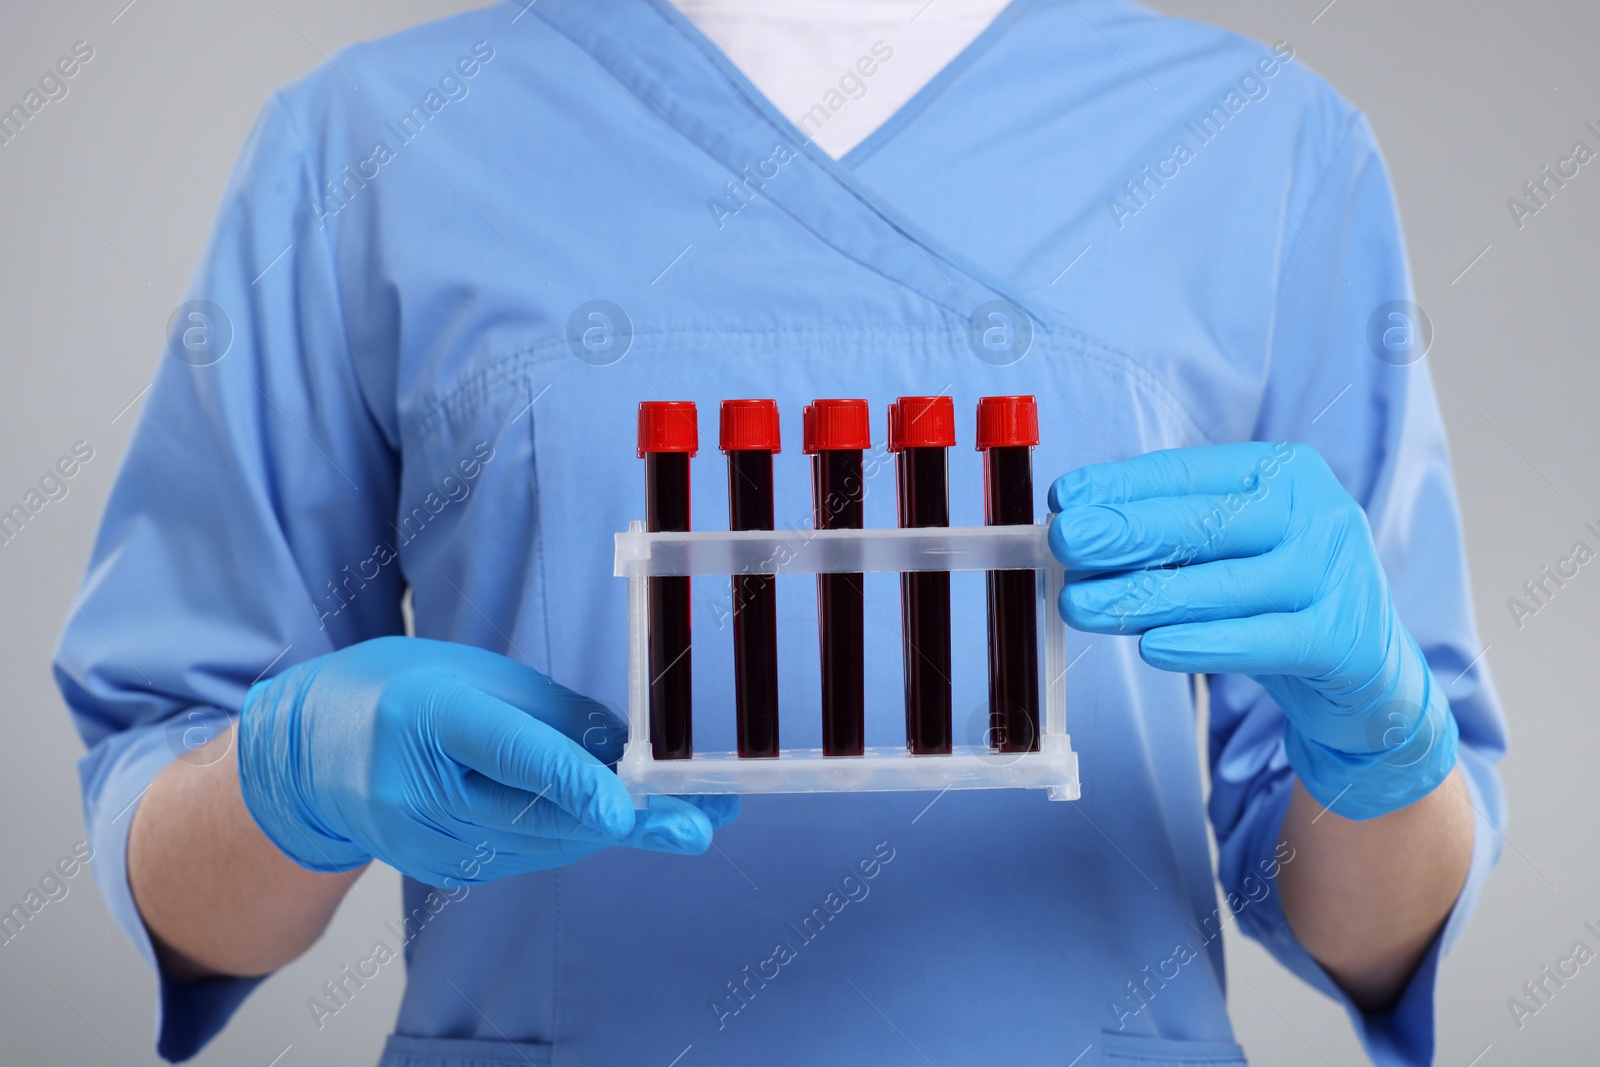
534, 823
1133, 602
488, 804
656, 831
667, 825
1212, 469
514, 748
1178, 529
673, 824
1259, 645
585, 721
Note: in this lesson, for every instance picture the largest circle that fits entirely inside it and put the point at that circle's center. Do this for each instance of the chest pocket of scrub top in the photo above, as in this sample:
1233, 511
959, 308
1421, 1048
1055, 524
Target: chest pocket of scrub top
1135, 1051
1095, 404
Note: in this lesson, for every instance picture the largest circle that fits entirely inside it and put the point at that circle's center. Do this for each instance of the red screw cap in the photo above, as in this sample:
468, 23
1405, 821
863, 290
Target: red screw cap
1007, 421
668, 426
750, 426
922, 422
836, 425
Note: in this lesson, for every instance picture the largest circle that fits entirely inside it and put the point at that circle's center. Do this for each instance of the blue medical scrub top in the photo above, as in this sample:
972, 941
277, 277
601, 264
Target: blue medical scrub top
397, 383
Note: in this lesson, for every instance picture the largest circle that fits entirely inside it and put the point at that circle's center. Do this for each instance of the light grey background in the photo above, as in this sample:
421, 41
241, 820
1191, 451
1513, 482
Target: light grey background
105, 202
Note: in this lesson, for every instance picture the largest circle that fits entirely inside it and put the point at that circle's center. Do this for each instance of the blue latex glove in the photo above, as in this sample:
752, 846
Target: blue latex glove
444, 761
1252, 559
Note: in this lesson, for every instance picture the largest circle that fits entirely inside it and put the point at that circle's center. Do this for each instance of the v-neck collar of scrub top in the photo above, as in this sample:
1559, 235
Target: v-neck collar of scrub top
686, 80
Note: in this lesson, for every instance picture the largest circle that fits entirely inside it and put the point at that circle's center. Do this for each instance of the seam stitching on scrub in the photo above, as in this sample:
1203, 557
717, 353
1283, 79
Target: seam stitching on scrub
682, 123
480, 382
992, 34
1324, 169
1324, 166
424, 421
303, 166
538, 525
476, 387
1099, 352
834, 170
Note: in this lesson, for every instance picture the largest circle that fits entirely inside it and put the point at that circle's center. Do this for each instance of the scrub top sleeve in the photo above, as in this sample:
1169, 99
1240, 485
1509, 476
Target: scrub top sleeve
1343, 380
255, 485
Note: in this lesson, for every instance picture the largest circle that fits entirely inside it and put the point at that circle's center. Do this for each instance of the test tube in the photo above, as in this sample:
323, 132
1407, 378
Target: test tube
836, 432
749, 436
1008, 428
669, 436
921, 428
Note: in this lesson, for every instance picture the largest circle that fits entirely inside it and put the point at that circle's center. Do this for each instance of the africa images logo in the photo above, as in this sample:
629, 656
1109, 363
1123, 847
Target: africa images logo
199, 332
599, 332
999, 332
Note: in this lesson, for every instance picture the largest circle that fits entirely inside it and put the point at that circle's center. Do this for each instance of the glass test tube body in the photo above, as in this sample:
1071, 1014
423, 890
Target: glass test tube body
671, 679
924, 500
755, 610
1013, 617
836, 504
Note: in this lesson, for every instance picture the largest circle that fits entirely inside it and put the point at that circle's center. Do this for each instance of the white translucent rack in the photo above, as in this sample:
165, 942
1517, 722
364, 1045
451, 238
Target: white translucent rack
641, 556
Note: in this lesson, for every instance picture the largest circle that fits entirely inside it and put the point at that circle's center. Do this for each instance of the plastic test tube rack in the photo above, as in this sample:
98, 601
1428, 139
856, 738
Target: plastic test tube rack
641, 555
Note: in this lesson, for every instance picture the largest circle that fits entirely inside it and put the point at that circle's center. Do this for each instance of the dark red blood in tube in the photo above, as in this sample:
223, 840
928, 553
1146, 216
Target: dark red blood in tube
749, 436
1008, 428
921, 429
836, 432
668, 437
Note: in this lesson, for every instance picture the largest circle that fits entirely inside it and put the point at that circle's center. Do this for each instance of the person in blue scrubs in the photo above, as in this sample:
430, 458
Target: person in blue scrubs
386, 382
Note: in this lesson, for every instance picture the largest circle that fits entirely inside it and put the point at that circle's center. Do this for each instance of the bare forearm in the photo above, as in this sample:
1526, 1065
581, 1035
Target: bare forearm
1367, 898
217, 897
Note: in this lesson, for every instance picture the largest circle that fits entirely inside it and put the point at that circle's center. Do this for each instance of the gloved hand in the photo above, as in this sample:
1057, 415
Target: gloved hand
1252, 559
417, 752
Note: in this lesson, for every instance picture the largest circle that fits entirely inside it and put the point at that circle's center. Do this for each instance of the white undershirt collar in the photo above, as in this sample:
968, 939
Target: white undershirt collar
839, 69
